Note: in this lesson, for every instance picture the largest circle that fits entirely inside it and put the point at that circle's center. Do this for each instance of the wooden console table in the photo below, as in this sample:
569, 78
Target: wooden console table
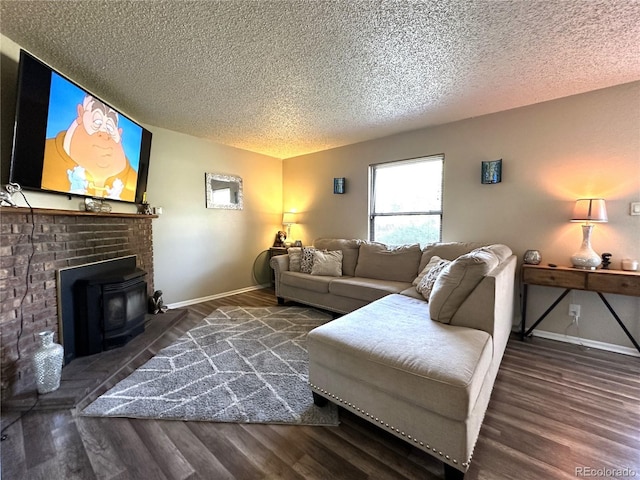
598, 281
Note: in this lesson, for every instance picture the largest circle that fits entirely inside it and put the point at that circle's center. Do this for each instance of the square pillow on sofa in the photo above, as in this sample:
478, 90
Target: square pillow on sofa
457, 280
446, 251
425, 286
295, 257
306, 262
327, 263
349, 249
377, 260
432, 263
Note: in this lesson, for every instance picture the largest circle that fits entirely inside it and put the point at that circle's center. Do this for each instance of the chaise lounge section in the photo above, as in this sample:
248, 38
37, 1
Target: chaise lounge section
423, 368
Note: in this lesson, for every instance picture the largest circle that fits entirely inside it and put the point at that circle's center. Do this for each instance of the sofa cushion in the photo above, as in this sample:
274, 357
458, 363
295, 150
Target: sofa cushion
327, 263
446, 250
306, 263
412, 292
457, 280
425, 286
367, 289
314, 283
349, 249
499, 250
432, 263
295, 257
439, 367
377, 260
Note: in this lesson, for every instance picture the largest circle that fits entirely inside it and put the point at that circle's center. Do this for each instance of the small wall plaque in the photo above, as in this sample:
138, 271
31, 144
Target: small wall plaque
492, 171
339, 185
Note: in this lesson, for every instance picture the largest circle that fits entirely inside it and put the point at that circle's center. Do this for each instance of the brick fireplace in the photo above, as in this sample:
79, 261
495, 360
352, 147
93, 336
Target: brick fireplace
61, 239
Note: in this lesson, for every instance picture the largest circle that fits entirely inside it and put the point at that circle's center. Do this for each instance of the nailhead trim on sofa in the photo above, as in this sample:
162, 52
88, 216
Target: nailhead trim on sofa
426, 447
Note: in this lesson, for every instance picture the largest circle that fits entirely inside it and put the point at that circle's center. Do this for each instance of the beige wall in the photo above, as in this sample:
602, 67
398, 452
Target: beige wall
198, 252
553, 153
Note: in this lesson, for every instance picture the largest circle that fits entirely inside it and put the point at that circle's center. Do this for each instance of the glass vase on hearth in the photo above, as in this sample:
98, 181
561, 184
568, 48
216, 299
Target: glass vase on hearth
47, 363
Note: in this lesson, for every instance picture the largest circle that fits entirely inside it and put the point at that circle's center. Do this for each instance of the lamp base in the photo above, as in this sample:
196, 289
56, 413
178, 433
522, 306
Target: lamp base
580, 267
586, 258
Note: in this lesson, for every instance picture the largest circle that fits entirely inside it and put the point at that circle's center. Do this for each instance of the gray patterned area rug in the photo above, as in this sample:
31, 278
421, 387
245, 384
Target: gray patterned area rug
241, 364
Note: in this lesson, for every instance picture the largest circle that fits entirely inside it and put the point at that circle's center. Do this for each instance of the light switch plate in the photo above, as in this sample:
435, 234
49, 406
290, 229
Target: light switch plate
634, 208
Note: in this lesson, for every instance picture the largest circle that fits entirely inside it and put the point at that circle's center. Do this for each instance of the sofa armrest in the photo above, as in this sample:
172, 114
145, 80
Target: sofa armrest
490, 306
279, 263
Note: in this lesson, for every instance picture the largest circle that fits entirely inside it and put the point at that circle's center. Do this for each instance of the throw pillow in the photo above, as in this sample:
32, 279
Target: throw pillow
306, 262
457, 280
349, 248
295, 257
426, 284
446, 250
432, 263
382, 262
327, 263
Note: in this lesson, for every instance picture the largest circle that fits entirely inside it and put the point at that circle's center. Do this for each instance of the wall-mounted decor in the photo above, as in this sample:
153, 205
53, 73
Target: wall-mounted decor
492, 171
339, 185
223, 191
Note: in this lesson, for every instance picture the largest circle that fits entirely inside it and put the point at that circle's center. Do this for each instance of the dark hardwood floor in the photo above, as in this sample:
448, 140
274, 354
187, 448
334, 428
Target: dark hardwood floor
557, 411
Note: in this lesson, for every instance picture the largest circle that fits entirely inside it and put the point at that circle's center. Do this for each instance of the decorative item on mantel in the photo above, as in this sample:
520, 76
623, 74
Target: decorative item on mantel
606, 261
96, 205
6, 197
145, 208
588, 210
47, 363
532, 257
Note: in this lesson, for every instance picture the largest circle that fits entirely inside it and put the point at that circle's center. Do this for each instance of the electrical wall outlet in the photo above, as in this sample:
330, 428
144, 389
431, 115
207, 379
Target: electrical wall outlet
634, 208
574, 310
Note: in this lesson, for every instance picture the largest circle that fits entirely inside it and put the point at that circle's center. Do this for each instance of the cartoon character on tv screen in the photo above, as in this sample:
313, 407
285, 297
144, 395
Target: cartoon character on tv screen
88, 157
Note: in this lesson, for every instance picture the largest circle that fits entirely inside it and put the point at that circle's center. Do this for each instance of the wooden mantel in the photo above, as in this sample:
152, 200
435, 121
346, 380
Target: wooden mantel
79, 213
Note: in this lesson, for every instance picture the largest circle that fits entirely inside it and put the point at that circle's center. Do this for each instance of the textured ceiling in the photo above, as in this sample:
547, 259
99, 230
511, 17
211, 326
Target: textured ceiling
290, 77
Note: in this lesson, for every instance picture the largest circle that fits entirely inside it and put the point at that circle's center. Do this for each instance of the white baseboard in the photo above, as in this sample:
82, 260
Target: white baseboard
610, 347
217, 295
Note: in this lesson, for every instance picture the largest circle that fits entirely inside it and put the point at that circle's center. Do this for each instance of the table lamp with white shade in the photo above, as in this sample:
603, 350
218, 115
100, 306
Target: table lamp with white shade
590, 211
288, 219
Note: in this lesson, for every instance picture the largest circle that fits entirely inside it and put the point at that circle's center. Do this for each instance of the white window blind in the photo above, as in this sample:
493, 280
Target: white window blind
406, 201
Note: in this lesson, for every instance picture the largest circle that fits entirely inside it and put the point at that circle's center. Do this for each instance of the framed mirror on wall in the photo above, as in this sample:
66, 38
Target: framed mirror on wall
223, 191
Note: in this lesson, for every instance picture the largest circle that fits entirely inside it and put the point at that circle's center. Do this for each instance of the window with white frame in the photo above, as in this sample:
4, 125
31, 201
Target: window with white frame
405, 204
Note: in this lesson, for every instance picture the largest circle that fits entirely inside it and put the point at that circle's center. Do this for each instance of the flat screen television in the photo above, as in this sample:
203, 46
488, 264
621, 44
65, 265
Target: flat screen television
68, 141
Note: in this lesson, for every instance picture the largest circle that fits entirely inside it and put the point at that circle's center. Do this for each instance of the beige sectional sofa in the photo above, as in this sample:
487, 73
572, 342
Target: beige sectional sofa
369, 271
419, 365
